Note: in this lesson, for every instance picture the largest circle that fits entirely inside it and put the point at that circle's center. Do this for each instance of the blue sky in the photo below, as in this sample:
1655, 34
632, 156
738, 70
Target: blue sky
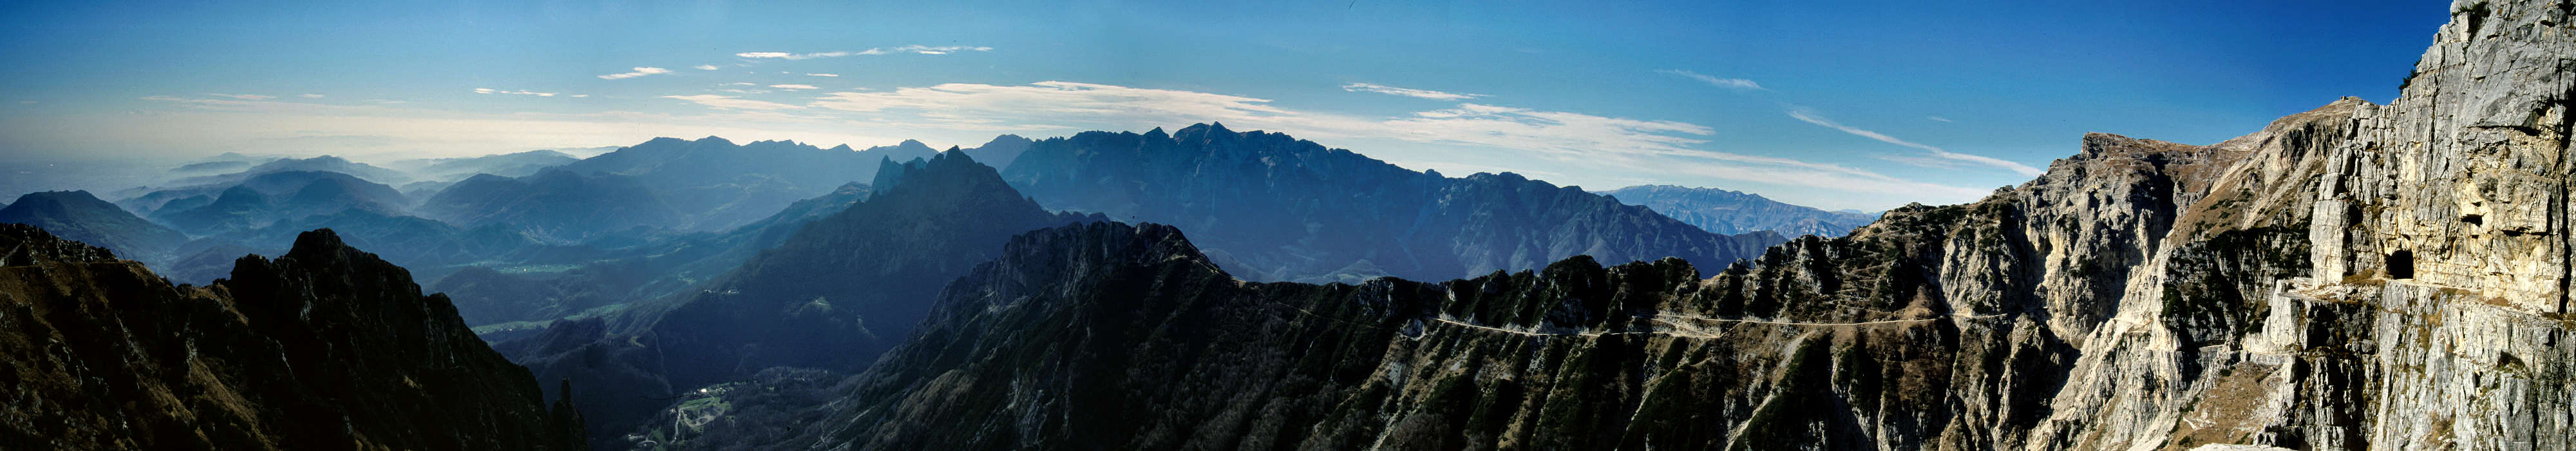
1833, 104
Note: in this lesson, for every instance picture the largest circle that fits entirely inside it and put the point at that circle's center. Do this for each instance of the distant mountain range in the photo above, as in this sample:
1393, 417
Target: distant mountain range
615, 271
1730, 212
325, 163
1270, 207
556, 204
269, 198
78, 216
506, 165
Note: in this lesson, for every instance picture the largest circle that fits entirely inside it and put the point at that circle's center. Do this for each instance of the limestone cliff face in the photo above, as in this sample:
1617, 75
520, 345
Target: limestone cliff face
2392, 276
2359, 276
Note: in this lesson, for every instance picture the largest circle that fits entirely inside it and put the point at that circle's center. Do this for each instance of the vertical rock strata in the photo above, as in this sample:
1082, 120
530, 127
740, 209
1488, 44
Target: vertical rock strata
2359, 276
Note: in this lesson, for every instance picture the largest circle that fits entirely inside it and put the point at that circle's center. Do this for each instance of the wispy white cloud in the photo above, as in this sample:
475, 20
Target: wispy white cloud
824, 75
793, 86
938, 50
639, 72
1712, 80
216, 102
310, 96
243, 96
733, 103
1937, 118
915, 49
1408, 92
517, 92
706, 67
1664, 149
792, 56
1812, 118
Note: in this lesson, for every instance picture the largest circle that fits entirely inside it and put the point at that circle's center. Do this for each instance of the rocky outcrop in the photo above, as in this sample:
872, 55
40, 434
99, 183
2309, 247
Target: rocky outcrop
2414, 265
325, 347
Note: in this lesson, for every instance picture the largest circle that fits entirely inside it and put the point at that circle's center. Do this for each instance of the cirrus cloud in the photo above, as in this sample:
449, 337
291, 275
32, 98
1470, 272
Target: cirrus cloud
639, 72
1712, 80
733, 103
1408, 92
1804, 115
913, 49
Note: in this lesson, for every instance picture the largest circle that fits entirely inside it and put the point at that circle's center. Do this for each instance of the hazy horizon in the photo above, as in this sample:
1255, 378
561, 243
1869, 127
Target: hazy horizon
1832, 107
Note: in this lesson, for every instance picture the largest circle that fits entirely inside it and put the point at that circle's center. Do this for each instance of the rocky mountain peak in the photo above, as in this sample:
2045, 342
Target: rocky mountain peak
1207, 132
323, 245
1100, 244
947, 168
325, 335
22, 244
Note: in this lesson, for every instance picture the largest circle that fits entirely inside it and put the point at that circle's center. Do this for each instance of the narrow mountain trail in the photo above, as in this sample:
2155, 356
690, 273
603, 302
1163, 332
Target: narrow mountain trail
1683, 329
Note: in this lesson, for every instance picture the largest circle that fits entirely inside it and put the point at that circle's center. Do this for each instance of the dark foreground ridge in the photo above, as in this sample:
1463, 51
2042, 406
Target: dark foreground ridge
326, 347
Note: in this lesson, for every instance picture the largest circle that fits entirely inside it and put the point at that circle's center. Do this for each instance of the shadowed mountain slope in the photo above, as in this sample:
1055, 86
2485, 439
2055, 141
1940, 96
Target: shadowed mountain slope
832, 296
325, 347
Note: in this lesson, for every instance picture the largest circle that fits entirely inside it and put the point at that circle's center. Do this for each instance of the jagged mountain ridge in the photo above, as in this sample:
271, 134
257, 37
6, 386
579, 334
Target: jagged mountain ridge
2355, 277
325, 347
1271, 207
1731, 212
833, 295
